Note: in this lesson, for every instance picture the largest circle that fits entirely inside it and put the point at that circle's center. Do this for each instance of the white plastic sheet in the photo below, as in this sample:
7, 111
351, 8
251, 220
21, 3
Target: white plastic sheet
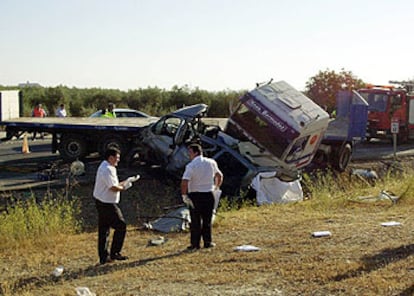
270, 189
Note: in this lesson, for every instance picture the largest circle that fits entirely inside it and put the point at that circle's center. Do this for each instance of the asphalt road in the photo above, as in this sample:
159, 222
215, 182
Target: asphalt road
377, 150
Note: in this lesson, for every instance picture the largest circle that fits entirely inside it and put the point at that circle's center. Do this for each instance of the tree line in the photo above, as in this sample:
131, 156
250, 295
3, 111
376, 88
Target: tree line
152, 100
321, 88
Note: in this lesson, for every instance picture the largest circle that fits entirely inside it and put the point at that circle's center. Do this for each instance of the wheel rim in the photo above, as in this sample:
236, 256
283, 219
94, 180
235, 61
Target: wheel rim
73, 149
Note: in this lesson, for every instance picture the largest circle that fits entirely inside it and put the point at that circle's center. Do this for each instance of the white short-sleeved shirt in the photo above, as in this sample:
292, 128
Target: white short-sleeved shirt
200, 174
106, 177
61, 112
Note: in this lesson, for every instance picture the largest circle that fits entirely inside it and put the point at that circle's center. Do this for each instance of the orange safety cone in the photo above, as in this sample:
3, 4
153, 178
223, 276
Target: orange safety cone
25, 146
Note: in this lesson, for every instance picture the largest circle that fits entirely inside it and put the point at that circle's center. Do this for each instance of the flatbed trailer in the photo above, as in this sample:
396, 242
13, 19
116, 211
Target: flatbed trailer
77, 137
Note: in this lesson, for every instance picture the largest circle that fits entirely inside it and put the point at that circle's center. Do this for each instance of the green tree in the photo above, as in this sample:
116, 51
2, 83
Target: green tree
53, 97
223, 101
324, 86
32, 96
150, 100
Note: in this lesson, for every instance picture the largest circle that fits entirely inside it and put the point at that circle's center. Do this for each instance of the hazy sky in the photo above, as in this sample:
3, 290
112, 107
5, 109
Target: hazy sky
211, 44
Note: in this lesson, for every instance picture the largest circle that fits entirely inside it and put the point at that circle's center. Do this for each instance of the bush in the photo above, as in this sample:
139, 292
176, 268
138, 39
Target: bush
32, 221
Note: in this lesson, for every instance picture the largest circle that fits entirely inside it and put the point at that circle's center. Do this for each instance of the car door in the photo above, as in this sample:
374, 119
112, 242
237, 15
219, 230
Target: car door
161, 138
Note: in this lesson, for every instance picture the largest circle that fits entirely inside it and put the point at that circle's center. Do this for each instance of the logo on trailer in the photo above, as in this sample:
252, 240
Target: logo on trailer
266, 114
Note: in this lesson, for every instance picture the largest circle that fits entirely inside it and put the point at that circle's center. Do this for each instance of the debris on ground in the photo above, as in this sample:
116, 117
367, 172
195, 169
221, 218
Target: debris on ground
321, 233
391, 223
58, 271
367, 175
246, 248
383, 195
84, 291
157, 241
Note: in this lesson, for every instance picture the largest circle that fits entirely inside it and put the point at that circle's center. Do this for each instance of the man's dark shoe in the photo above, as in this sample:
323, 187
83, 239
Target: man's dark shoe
210, 245
192, 248
105, 260
118, 256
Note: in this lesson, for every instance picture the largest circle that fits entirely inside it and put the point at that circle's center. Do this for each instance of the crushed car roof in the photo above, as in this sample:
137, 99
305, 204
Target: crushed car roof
197, 110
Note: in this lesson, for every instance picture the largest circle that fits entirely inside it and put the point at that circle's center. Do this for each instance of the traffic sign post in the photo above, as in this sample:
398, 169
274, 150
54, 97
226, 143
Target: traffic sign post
395, 128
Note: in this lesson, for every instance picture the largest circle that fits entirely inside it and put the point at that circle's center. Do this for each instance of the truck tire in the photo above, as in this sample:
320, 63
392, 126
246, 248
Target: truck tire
112, 141
343, 157
72, 147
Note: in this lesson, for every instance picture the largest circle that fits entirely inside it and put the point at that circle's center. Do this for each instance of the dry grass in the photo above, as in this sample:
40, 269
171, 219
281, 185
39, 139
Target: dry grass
360, 258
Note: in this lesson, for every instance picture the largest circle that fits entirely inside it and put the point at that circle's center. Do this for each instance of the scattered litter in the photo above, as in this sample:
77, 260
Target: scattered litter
77, 168
383, 195
369, 174
58, 271
321, 233
157, 241
246, 248
391, 223
84, 291
388, 195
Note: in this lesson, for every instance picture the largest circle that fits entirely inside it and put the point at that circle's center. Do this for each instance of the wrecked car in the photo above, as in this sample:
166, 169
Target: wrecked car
165, 143
254, 139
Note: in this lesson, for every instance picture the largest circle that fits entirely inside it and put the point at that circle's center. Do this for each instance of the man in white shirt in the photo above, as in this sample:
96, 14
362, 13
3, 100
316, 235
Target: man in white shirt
201, 177
107, 195
61, 111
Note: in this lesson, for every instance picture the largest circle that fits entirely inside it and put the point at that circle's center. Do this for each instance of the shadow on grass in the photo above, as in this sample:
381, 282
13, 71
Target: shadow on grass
380, 260
91, 271
407, 292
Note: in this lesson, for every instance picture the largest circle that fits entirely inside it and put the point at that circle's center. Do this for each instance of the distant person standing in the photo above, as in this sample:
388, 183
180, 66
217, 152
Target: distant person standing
200, 179
61, 111
38, 111
109, 113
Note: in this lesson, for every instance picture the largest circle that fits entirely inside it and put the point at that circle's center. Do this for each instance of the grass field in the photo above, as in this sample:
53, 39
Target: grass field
361, 257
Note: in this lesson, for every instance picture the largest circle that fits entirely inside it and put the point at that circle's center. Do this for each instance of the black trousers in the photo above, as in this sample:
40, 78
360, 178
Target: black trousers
110, 216
201, 215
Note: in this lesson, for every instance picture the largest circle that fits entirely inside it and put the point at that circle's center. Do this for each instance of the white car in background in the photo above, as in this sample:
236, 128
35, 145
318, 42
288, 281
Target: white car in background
120, 113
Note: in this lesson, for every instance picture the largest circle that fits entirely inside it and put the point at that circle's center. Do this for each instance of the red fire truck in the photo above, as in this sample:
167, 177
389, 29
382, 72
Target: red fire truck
389, 104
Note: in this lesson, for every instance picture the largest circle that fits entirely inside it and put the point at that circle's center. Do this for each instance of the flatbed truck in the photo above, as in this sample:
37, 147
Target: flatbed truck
77, 137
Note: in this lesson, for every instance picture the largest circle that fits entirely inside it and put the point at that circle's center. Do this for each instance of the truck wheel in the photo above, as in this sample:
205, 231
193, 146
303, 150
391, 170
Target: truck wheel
72, 147
343, 157
112, 141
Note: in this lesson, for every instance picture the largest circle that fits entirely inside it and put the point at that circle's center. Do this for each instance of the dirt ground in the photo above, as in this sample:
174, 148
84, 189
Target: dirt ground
361, 257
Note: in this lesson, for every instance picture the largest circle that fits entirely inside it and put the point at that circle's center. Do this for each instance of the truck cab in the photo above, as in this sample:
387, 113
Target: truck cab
278, 126
387, 104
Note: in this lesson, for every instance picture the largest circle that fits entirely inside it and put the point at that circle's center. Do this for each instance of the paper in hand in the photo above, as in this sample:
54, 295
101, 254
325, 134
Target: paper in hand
217, 195
127, 185
133, 179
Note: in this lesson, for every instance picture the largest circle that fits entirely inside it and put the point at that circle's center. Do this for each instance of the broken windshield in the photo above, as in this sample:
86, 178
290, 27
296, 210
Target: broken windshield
260, 131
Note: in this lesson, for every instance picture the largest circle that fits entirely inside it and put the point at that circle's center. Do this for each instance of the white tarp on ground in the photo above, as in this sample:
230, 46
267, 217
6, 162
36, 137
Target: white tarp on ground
175, 221
270, 189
